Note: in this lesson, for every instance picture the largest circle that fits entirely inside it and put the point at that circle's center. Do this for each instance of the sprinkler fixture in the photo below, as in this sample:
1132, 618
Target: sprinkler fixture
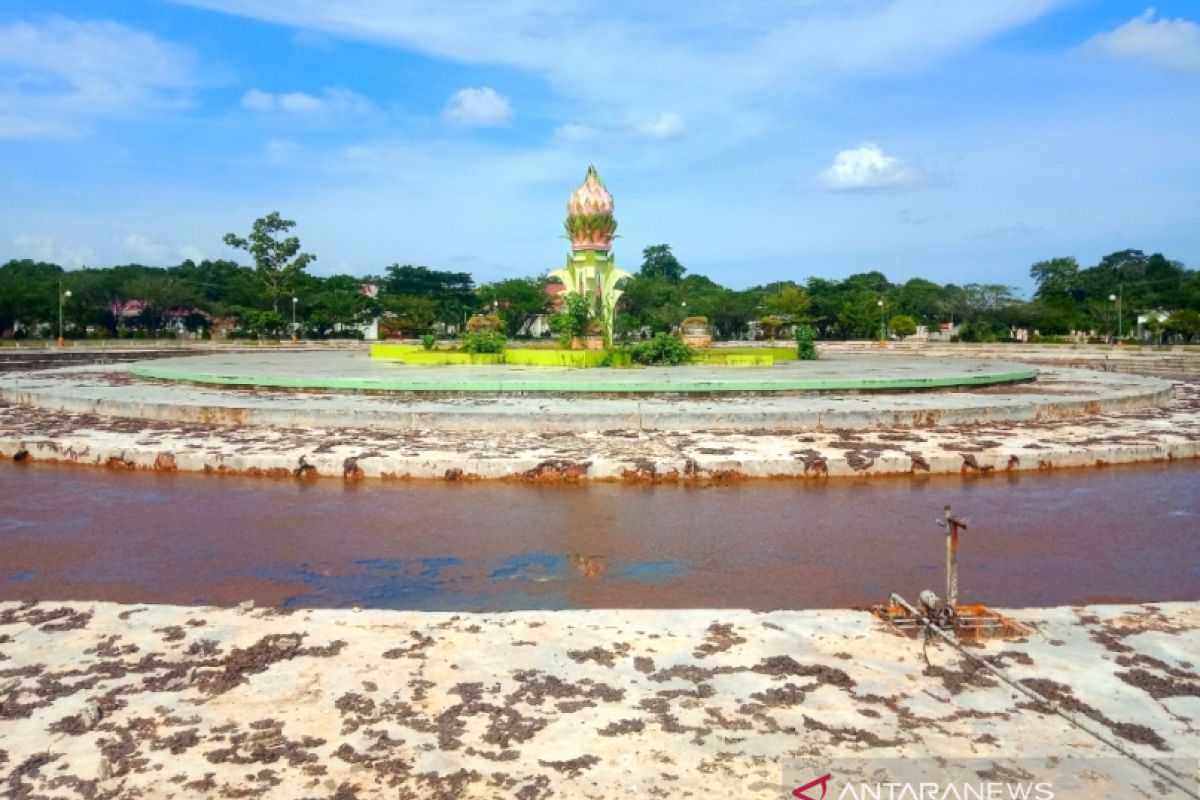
969, 622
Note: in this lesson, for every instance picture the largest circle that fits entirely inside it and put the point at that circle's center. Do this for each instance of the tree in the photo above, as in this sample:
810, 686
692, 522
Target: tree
28, 293
161, 296
874, 280
771, 325
1053, 317
1057, 277
277, 262
262, 323
650, 301
857, 315
453, 293
1105, 315
1124, 266
223, 284
826, 297
728, 312
790, 302
572, 321
902, 325
411, 313
977, 302
336, 302
659, 262
1185, 323
520, 301
922, 300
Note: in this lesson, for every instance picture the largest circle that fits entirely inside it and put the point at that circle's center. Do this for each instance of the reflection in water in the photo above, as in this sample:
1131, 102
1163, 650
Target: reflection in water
588, 566
1111, 535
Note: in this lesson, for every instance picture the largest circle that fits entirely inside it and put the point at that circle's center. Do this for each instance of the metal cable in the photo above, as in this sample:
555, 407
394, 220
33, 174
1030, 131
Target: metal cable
896, 599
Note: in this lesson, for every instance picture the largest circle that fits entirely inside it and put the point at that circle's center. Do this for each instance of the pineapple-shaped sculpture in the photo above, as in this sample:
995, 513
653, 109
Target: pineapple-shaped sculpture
591, 270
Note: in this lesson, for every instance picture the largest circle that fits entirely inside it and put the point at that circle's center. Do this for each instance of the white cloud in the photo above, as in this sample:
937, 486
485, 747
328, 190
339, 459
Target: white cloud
478, 107
191, 253
39, 248
1170, 43
667, 125
58, 71
157, 252
332, 102
48, 249
258, 100
145, 249
663, 126
728, 57
867, 168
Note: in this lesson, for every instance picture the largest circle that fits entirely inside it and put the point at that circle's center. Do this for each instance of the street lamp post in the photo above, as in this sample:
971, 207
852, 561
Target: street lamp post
295, 300
882, 325
62, 298
1116, 298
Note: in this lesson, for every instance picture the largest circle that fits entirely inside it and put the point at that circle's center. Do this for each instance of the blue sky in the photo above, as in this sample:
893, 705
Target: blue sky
762, 139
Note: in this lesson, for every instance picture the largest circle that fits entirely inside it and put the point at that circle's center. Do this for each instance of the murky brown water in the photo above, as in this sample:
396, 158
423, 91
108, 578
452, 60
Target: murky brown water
1119, 534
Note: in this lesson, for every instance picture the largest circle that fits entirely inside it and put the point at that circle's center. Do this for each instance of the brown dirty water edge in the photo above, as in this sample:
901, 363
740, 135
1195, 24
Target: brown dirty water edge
1123, 534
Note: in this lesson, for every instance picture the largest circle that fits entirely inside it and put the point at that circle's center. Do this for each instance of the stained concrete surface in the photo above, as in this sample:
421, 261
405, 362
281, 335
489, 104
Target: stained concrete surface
323, 370
104, 700
111, 391
529, 450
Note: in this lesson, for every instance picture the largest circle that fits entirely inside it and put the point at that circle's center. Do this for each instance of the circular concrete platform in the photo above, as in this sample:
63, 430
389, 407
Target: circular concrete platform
309, 391
355, 372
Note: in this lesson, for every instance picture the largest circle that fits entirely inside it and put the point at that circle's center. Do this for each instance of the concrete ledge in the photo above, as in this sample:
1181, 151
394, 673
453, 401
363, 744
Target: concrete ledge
616, 453
599, 704
1068, 418
678, 380
506, 399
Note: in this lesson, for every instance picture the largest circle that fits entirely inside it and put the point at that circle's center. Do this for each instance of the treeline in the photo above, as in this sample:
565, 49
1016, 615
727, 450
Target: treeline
1105, 298
223, 296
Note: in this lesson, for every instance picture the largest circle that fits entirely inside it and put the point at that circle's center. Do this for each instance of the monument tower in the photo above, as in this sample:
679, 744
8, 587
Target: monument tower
591, 270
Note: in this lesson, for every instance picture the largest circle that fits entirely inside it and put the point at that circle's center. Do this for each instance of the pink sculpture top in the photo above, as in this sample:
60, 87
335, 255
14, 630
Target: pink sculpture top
591, 197
590, 223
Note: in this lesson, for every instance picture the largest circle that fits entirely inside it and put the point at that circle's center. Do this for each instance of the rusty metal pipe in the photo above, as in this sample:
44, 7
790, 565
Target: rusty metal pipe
897, 600
952, 524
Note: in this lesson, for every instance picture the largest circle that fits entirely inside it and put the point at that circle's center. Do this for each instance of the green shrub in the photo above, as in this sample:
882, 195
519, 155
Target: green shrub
572, 321
902, 325
805, 349
428, 341
484, 322
982, 331
617, 357
662, 349
483, 342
